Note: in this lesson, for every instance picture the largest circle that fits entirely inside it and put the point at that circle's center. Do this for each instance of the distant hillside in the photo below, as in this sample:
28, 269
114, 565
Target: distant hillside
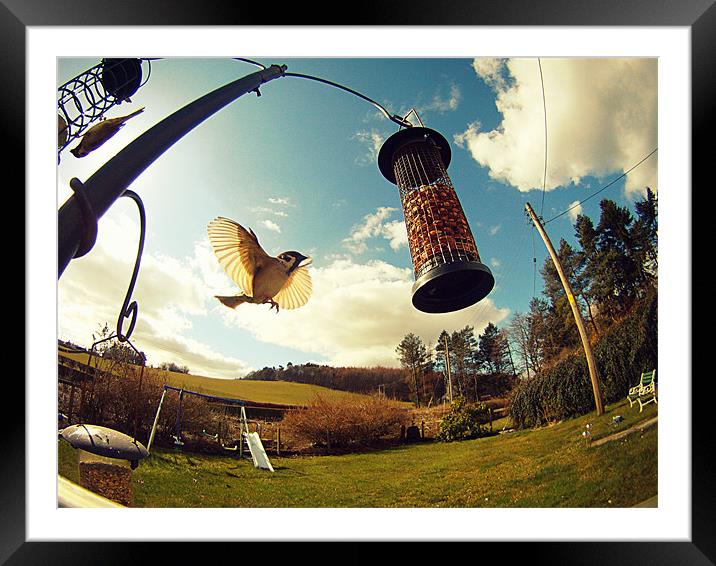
391, 381
278, 392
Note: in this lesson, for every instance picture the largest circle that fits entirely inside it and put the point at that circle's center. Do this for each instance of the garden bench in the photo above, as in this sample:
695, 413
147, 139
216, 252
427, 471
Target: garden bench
645, 392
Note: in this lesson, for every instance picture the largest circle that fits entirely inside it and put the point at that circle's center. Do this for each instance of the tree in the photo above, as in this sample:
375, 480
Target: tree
644, 234
619, 257
614, 270
533, 336
413, 356
492, 355
171, 366
464, 350
564, 327
439, 363
462, 347
114, 349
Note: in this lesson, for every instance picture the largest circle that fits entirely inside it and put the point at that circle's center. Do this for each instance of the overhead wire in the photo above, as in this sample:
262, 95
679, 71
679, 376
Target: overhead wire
575, 205
511, 265
544, 108
544, 181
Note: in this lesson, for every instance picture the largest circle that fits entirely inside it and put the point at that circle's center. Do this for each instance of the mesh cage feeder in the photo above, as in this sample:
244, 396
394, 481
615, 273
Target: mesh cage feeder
449, 275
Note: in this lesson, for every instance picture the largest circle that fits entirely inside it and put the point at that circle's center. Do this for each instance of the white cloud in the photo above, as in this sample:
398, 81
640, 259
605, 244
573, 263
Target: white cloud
283, 201
601, 119
371, 140
574, 210
442, 104
376, 225
494, 229
357, 315
270, 225
396, 234
267, 210
170, 293
491, 70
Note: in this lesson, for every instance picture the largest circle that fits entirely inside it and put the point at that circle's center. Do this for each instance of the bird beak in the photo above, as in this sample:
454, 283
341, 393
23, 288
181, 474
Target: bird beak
305, 261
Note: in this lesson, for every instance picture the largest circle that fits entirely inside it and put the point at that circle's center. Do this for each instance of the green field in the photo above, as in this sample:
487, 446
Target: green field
547, 467
279, 392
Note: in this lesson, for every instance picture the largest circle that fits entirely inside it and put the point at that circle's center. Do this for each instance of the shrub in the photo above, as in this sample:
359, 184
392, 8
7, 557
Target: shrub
346, 423
465, 420
113, 398
564, 391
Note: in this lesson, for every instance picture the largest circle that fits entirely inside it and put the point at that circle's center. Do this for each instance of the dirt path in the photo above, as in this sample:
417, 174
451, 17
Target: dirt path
651, 502
637, 427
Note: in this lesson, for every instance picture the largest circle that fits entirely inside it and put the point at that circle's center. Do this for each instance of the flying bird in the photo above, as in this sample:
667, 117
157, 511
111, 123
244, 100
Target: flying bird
100, 133
282, 281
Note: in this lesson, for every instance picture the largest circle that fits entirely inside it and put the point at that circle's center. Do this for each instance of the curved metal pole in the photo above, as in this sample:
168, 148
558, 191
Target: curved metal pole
109, 182
402, 122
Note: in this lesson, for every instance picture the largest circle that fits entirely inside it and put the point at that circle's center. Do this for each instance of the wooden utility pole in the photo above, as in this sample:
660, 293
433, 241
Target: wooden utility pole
591, 363
447, 367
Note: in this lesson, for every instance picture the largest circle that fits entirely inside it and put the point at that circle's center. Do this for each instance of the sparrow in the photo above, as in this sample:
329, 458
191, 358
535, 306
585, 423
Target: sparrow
100, 133
61, 131
282, 281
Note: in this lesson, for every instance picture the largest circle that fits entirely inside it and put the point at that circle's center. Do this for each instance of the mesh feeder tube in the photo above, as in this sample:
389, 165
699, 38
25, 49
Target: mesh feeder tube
449, 275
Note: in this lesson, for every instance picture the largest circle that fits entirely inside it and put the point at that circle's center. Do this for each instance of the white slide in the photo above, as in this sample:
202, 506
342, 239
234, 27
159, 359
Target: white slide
258, 454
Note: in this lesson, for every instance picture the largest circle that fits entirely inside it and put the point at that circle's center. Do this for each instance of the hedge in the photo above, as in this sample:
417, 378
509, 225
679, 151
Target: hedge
564, 391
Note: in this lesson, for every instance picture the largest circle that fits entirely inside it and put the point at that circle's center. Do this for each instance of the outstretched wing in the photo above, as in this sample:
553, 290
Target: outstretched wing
296, 291
238, 252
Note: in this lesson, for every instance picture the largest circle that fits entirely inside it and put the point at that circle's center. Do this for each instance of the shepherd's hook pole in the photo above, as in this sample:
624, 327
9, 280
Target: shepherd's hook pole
591, 363
110, 181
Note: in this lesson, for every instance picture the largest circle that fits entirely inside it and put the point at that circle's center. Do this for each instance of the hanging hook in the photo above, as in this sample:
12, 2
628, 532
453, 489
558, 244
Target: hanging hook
130, 309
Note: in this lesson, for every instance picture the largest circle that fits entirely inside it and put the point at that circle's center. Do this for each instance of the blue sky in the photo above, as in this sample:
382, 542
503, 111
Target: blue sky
298, 166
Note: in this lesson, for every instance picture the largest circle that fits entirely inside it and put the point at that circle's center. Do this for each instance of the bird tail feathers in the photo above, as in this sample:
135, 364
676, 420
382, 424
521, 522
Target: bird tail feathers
234, 301
128, 116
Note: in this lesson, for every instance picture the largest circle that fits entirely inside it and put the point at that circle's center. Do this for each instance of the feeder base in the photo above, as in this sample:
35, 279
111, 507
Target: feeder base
451, 287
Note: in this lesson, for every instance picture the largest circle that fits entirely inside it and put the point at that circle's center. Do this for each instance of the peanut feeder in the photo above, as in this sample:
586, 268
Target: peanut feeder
449, 275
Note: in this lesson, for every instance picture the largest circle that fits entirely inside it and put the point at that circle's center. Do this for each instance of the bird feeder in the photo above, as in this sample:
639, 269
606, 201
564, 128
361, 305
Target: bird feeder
121, 77
449, 275
104, 442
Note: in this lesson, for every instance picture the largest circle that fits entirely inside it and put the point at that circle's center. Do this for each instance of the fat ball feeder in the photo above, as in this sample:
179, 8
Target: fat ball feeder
449, 274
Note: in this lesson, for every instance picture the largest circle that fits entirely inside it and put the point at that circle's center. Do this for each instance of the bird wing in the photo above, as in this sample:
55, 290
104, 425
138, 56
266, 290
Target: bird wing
238, 251
296, 291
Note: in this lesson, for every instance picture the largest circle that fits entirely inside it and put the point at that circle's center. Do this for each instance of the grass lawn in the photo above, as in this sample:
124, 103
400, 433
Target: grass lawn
547, 467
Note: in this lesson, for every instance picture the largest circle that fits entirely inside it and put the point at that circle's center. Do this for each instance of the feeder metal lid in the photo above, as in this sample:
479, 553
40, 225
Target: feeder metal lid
452, 286
104, 442
121, 78
407, 136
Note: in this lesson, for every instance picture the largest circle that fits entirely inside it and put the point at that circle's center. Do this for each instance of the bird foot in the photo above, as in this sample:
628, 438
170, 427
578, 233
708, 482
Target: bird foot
274, 304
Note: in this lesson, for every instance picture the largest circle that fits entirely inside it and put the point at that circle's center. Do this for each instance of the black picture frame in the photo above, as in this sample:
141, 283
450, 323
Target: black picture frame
698, 15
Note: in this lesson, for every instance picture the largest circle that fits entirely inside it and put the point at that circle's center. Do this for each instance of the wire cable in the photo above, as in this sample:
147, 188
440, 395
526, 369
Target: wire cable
603, 188
544, 107
534, 263
393, 117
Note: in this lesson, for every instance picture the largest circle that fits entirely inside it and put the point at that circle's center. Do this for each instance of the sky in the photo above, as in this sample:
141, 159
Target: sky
298, 166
